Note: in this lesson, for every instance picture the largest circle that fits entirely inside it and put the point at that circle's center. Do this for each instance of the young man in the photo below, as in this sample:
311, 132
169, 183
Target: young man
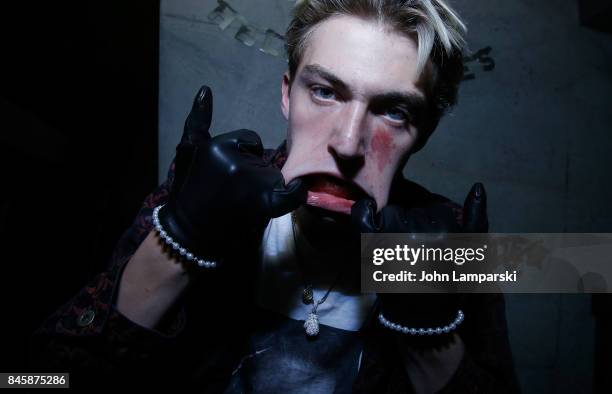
241, 272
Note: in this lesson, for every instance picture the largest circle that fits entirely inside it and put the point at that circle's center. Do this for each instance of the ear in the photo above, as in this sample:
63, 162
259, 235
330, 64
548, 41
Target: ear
285, 92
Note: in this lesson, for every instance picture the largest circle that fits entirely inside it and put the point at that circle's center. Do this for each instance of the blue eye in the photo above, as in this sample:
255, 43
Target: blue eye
396, 114
323, 93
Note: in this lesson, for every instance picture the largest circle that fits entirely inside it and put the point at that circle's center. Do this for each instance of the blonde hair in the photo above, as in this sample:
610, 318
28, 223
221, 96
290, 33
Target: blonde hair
433, 24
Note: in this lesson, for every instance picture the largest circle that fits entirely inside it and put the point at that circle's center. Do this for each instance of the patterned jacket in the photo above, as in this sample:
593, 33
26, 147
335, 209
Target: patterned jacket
201, 341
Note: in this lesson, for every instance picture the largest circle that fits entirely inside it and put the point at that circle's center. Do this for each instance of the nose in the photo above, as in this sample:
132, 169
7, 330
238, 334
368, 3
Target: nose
347, 144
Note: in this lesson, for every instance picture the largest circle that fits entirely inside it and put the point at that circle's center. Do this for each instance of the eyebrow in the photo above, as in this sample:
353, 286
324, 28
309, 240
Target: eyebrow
414, 101
315, 70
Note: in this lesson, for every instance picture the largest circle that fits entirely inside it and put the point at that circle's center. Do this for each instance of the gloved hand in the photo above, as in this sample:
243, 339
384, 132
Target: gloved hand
422, 310
223, 193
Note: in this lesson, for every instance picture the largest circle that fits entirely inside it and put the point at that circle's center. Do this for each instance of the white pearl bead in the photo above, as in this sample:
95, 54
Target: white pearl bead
422, 331
175, 245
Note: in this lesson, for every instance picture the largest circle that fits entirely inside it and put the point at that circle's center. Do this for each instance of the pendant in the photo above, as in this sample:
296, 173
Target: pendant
307, 295
311, 325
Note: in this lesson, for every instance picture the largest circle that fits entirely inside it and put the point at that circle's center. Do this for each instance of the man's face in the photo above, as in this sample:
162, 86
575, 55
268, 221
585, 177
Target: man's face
349, 109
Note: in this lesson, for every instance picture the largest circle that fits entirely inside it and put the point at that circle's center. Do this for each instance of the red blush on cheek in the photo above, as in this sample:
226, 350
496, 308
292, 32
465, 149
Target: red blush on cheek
382, 145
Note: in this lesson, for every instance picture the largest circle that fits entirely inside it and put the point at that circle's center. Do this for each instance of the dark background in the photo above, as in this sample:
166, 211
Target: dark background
79, 151
78, 102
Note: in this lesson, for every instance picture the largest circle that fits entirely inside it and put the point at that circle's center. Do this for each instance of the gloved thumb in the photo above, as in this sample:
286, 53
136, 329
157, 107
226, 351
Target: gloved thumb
198, 122
475, 210
363, 216
286, 198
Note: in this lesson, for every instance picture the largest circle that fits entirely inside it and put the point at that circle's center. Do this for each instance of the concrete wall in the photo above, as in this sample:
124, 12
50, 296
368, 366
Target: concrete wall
535, 130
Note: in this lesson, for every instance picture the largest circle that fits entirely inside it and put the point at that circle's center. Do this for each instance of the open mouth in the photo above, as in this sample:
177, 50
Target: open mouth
333, 194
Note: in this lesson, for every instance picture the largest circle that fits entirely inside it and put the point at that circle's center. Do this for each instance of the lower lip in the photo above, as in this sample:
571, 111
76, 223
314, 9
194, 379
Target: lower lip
329, 202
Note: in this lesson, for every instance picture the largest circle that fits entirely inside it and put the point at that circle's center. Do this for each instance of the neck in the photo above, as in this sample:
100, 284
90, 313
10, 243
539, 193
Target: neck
327, 247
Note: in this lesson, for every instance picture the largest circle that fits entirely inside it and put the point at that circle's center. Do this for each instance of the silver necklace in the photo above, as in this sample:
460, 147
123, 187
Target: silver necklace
311, 324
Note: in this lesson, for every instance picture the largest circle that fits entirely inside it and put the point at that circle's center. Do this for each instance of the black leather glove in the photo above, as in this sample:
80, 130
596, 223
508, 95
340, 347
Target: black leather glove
436, 216
223, 194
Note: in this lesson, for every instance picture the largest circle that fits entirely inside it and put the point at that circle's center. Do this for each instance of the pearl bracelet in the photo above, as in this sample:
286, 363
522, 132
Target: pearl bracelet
175, 245
422, 331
